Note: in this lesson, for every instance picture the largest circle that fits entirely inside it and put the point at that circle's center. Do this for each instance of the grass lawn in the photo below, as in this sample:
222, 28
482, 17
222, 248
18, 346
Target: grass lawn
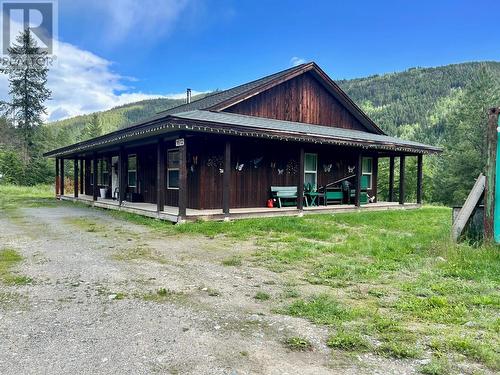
390, 283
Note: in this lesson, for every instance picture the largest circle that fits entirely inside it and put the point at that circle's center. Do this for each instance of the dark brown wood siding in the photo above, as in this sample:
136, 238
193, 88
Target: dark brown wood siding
265, 164
302, 99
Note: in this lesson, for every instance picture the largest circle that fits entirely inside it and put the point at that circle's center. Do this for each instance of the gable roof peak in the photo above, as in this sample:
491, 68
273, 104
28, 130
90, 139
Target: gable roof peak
221, 100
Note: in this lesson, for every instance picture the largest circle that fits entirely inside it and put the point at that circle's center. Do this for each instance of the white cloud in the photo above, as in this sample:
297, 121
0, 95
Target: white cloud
146, 18
294, 61
82, 82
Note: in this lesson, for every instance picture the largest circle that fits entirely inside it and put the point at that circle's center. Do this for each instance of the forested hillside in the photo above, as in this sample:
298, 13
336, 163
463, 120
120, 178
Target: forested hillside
443, 106
411, 104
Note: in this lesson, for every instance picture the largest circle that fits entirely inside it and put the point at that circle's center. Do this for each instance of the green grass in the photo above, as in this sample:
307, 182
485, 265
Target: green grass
262, 296
321, 309
298, 344
162, 295
392, 278
9, 258
13, 196
234, 261
399, 350
348, 340
436, 366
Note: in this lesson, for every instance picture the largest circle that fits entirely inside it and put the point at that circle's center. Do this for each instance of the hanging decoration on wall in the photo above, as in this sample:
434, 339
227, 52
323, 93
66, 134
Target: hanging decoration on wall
221, 171
280, 171
215, 161
351, 169
239, 167
192, 163
327, 167
273, 165
257, 161
292, 167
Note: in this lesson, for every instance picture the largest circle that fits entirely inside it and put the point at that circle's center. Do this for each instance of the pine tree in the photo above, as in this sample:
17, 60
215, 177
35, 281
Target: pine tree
93, 128
465, 139
27, 70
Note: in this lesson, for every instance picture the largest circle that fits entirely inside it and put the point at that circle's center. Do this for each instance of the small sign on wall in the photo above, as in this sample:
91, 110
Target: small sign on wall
179, 142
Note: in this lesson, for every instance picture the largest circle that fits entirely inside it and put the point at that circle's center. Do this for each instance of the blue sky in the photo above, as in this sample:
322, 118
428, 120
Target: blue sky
118, 51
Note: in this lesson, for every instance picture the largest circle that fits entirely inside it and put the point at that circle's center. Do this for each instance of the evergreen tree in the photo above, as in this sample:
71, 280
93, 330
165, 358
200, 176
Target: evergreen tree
27, 70
93, 128
465, 138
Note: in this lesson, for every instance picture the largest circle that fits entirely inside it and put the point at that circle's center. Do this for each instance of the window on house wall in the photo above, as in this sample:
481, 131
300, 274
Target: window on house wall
311, 170
91, 174
173, 169
367, 170
105, 172
99, 172
132, 171
102, 172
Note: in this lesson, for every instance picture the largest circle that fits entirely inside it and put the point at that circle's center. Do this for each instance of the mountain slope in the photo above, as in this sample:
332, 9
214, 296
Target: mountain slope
406, 104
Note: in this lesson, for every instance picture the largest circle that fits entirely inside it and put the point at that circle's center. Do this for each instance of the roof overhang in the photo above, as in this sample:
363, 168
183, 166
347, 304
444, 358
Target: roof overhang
234, 125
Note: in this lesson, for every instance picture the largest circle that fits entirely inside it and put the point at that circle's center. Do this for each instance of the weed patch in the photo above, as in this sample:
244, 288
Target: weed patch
298, 344
321, 309
9, 258
262, 296
162, 295
348, 340
232, 262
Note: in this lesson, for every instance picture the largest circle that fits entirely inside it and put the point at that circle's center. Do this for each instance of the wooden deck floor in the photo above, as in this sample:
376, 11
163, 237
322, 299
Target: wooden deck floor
172, 213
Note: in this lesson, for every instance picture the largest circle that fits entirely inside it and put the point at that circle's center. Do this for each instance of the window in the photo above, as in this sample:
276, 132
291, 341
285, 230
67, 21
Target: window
367, 170
91, 173
173, 169
132, 171
102, 172
105, 172
311, 170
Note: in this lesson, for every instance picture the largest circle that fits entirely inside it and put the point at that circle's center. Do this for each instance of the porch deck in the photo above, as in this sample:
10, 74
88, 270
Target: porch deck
171, 213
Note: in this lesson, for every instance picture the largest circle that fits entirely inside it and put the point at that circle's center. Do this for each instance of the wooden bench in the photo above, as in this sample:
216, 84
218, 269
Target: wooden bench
285, 195
333, 195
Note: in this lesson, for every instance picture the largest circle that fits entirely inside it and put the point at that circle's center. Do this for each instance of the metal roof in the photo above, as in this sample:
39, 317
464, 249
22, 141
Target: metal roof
318, 132
204, 115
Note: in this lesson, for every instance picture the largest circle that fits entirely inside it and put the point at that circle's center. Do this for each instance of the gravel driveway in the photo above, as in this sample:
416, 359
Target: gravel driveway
94, 307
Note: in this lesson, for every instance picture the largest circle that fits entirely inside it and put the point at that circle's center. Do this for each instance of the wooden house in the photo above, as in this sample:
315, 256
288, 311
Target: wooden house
293, 137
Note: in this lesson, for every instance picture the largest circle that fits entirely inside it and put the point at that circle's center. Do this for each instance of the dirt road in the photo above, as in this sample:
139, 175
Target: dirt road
111, 297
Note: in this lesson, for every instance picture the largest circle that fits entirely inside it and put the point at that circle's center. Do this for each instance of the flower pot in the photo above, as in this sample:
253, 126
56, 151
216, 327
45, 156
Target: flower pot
103, 193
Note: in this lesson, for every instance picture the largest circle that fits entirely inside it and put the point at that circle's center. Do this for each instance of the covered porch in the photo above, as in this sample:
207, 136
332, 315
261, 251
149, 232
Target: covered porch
170, 213
221, 166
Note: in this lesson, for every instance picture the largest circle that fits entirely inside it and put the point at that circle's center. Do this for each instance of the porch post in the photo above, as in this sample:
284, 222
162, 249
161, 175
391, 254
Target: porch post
122, 175
391, 179
420, 176
95, 188
82, 178
402, 179
226, 185
300, 188
76, 176
160, 175
61, 191
57, 177
359, 166
375, 178
182, 181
